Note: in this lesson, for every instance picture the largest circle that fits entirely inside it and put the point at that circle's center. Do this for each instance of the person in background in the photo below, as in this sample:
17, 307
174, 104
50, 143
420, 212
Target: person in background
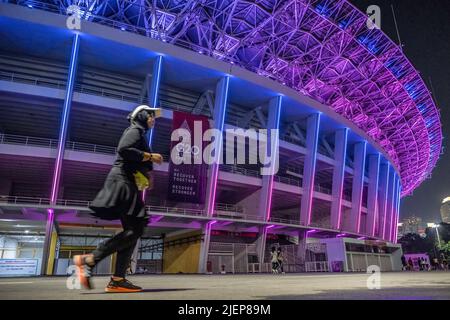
410, 265
121, 199
404, 264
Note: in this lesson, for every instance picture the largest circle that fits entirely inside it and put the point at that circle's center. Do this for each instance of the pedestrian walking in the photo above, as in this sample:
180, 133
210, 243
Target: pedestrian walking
121, 199
274, 260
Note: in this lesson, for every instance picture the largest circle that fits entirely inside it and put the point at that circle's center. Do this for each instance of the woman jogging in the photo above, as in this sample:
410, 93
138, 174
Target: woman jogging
121, 199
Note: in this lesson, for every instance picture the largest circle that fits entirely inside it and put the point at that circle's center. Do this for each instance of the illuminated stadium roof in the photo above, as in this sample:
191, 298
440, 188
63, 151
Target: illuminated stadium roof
321, 48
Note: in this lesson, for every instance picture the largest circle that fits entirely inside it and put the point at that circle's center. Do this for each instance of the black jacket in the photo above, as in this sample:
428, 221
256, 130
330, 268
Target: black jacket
130, 152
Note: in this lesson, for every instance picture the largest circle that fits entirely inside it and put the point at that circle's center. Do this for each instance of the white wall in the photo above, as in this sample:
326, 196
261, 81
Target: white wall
335, 251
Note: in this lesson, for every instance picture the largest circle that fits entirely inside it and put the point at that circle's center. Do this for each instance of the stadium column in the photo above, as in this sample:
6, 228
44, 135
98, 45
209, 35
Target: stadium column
60, 154
153, 92
390, 204
309, 168
383, 198
393, 210
372, 193
357, 185
340, 150
220, 107
301, 248
265, 198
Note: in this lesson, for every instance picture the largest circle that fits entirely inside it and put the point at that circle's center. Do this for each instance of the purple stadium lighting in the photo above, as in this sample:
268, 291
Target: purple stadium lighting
64, 120
341, 235
320, 48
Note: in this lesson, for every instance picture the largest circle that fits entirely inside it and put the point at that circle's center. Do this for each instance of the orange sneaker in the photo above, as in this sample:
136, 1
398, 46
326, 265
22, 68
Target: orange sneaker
84, 271
121, 286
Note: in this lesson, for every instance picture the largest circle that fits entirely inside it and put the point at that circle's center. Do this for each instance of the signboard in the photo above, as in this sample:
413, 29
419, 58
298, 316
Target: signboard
18, 267
187, 181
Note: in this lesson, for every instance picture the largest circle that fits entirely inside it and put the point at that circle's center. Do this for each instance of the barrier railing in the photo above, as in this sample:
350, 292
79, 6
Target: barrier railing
240, 170
286, 180
173, 210
53, 143
285, 221
23, 78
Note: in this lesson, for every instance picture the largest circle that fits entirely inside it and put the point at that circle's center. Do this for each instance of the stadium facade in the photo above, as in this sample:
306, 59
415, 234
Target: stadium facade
358, 130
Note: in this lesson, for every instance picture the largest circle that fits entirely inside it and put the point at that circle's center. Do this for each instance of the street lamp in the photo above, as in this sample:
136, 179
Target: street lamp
436, 226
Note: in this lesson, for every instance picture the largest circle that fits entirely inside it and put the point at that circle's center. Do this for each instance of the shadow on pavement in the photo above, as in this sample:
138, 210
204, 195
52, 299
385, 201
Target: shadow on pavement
400, 293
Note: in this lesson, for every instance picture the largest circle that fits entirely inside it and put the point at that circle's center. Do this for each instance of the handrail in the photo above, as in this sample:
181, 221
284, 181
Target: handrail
108, 93
81, 88
239, 170
229, 207
286, 180
22, 78
285, 221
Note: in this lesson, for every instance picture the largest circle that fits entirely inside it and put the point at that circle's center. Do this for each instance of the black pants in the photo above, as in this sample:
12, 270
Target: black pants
123, 243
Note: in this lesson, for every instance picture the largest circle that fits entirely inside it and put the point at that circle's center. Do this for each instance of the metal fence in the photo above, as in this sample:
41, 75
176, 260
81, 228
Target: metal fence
53, 143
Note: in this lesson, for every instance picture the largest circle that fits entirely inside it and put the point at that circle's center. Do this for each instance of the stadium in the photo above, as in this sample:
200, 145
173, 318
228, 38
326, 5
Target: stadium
358, 130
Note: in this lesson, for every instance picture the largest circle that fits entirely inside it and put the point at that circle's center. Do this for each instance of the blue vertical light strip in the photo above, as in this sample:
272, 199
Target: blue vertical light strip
220, 107
394, 209
65, 119
60, 153
390, 204
340, 152
154, 90
309, 170
274, 123
358, 185
374, 174
397, 214
385, 200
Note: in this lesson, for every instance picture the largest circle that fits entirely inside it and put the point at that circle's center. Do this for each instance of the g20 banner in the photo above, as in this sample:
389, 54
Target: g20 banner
187, 180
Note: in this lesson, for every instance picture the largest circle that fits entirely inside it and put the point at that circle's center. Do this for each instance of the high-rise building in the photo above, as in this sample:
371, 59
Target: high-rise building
445, 210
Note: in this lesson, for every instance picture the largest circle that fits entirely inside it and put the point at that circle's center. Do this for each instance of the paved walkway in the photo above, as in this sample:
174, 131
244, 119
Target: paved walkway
404, 285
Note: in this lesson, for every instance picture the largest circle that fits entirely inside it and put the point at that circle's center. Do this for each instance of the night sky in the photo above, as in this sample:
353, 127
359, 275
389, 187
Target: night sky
424, 27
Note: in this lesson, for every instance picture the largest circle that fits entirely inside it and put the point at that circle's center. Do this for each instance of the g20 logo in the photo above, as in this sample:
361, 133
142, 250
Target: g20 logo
73, 22
374, 280
186, 147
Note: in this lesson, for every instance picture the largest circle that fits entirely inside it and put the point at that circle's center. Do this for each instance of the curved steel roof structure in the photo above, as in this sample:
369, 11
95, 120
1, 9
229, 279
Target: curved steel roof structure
321, 48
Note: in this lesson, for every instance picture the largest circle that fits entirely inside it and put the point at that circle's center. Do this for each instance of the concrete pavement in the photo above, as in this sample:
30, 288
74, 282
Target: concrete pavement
395, 285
